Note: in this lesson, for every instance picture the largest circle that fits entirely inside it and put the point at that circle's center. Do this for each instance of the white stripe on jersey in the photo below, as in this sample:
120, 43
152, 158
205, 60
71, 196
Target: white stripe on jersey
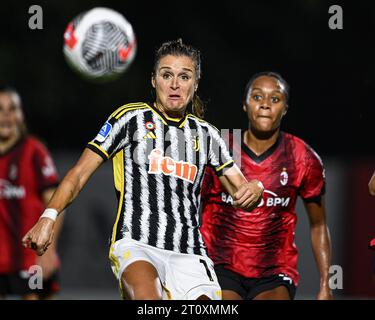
213, 158
141, 156
190, 159
117, 127
175, 199
159, 132
128, 210
202, 160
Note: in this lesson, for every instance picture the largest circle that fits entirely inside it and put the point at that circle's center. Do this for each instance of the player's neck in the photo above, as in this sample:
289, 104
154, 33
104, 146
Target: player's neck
169, 113
8, 143
260, 142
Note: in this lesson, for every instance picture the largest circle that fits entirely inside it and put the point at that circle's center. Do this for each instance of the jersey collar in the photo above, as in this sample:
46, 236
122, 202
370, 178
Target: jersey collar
167, 120
265, 154
14, 146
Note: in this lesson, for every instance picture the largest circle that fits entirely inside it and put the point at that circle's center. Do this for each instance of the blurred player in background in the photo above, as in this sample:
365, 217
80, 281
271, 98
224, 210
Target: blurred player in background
159, 155
371, 185
254, 253
27, 181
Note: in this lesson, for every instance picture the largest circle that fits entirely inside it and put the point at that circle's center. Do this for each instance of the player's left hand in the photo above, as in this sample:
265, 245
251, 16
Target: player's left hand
248, 195
325, 293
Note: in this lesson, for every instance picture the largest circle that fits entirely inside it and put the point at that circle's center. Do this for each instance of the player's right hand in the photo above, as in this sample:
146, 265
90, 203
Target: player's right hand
40, 236
248, 195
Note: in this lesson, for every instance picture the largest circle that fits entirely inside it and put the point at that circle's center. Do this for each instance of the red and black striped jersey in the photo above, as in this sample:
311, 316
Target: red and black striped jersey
26, 170
260, 243
159, 164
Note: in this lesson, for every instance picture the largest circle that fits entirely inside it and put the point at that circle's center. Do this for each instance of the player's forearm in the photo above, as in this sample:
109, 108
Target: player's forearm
321, 245
57, 229
67, 190
233, 179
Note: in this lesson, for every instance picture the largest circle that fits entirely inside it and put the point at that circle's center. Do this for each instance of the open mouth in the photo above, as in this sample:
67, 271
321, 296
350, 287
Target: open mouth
5, 125
174, 97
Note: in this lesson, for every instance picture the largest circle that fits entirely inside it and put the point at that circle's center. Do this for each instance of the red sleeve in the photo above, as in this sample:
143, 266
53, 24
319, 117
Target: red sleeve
313, 184
44, 167
207, 181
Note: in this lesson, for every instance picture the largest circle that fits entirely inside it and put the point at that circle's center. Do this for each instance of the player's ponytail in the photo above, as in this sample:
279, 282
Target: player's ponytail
197, 106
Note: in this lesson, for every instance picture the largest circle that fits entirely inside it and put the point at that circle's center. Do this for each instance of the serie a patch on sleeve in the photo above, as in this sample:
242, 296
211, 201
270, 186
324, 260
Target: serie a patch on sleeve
104, 132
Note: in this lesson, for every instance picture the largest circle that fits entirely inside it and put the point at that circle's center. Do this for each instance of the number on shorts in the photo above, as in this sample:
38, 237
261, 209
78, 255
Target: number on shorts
207, 270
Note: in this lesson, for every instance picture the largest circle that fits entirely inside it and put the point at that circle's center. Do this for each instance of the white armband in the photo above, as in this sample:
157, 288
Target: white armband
50, 213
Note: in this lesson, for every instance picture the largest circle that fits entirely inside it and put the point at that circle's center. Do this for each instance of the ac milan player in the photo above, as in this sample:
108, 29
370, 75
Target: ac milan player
254, 253
371, 185
27, 181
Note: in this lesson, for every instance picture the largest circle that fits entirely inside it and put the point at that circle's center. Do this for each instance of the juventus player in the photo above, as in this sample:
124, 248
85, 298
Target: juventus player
159, 154
254, 253
28, 179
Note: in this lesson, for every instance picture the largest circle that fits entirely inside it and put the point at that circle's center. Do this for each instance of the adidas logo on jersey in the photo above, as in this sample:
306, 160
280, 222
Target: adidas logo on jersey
166, 165
149, 135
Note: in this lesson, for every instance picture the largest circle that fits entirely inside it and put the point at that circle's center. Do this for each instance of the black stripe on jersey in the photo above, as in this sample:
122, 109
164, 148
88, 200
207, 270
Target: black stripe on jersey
264, 155
154, 216
120, 202
136, 187
97, 151
184, 232
171, 222
152, 200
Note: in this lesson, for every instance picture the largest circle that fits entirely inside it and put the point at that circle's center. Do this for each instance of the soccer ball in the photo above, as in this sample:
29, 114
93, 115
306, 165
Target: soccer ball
99, 44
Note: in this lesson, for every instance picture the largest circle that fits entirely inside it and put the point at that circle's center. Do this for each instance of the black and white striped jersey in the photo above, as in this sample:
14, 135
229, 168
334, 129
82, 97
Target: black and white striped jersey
159, 165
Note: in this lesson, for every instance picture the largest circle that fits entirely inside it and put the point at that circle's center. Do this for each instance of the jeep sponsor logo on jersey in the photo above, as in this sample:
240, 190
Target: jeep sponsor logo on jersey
271, 200
168, 166
10, 191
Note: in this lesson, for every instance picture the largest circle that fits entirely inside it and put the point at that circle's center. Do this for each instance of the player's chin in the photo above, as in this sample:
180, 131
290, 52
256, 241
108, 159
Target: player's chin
177, 106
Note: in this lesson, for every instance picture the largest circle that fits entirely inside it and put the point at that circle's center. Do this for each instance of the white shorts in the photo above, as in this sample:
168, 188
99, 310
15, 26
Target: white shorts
182, 276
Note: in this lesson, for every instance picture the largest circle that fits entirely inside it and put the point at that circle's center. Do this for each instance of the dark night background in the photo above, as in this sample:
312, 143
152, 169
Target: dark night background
332, 79
331, 72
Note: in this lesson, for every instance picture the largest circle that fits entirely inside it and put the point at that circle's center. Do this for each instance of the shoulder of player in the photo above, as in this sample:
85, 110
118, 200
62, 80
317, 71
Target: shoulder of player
302, 147
33, 145
130, 108
202, 122
34, 142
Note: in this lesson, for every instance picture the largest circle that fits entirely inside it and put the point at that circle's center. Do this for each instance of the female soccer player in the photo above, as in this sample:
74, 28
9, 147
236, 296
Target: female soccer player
27, 181
159, 155
371, 185
254, 253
